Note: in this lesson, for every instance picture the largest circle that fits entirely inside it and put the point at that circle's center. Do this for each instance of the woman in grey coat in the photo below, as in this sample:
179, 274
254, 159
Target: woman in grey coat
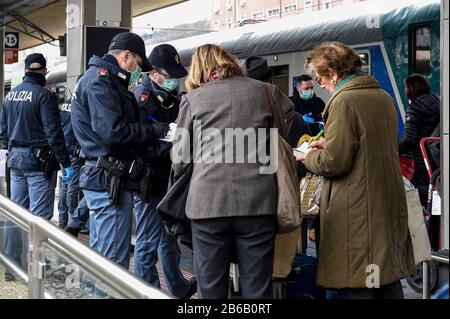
223, 129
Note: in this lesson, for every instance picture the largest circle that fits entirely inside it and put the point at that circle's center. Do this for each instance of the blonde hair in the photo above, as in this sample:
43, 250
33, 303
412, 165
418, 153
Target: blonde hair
207, 59
334, 57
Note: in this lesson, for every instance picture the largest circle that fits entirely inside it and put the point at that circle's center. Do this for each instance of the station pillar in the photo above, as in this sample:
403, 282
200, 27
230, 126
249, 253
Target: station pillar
82, 14
2, 56
445, 152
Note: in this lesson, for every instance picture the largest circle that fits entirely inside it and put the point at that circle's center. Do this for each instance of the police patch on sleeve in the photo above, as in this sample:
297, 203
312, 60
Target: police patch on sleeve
102, 72
143, 97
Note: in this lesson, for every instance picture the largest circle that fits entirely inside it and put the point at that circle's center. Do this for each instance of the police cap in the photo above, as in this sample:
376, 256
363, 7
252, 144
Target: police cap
35, 62
166, 57
134, 43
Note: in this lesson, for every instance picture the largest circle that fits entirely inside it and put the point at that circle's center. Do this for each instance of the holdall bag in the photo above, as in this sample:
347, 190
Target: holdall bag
288, 203
416, 224
301, 281
310, 191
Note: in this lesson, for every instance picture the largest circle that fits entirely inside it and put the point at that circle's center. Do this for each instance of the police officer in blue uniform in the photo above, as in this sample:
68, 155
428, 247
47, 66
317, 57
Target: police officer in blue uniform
30, 128
159, 101
105, 120
69, 192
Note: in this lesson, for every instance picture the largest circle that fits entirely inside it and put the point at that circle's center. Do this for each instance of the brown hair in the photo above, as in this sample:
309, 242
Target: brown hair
333, 57
416, 85
207, 59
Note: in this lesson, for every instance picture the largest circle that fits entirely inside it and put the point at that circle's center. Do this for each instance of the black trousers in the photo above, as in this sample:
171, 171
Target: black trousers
252, 238
391, 291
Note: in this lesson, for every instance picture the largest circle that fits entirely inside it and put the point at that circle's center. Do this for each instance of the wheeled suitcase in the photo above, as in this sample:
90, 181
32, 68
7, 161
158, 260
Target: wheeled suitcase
301, 281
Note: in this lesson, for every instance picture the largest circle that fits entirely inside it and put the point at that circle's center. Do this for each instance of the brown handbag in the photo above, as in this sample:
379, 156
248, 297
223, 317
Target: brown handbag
288, 203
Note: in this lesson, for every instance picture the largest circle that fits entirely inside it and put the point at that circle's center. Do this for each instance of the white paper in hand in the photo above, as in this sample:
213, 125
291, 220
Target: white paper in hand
303, 149
170, 134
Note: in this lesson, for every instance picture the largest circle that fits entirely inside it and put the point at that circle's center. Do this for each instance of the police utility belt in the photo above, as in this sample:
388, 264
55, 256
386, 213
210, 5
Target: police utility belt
47, 161
116, 170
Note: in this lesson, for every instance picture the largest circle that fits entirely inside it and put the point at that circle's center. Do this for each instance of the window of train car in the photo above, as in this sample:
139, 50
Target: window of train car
421, 49
365, 58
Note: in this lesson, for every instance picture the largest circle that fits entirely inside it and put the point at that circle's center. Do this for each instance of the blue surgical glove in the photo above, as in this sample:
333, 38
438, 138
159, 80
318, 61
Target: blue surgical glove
68, 174
321, 126
308, 119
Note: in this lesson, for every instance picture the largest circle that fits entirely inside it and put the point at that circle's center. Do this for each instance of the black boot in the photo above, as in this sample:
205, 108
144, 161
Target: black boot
74, 232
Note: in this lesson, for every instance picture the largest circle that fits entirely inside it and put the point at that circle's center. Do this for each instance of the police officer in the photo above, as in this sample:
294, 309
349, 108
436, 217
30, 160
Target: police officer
30, 128
69, 192
105, 120
159, 102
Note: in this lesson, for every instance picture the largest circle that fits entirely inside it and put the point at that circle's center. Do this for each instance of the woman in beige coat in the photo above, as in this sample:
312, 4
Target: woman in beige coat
365, 241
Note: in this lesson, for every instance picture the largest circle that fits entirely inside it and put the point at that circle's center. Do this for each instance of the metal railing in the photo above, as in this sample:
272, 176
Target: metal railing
426, 294
42, 231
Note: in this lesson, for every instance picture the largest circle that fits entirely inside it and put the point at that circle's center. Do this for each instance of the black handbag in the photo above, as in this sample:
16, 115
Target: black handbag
172, 208
174, 202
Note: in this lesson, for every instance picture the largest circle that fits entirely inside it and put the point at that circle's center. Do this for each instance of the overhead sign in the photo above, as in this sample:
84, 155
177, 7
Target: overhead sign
12, 40
11, 56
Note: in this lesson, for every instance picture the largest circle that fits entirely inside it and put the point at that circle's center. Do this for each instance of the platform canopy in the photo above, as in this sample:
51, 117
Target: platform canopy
42, 21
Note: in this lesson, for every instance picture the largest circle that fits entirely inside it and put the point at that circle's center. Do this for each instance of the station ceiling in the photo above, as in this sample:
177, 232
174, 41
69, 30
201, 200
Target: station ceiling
50, 17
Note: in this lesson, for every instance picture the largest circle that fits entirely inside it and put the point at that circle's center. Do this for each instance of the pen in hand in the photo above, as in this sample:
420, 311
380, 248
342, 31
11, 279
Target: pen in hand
152, 119
319, 135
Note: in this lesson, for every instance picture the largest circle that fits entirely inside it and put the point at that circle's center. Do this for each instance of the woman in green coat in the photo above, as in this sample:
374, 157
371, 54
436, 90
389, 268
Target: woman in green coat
365, 242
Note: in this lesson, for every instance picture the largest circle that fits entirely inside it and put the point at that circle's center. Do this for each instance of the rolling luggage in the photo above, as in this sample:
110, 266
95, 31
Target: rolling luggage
301, 281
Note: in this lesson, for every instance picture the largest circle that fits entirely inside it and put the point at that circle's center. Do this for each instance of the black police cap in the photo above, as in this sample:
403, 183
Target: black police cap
166, 57
35, 62
134, 43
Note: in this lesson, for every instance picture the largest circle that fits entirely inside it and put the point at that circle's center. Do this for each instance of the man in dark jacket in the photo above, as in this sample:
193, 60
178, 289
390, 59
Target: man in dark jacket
422, 117
105, 120
159, 101
307, 103
30, 128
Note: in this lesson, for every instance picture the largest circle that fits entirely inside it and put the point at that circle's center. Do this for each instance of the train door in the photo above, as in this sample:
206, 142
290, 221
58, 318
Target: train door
281, 77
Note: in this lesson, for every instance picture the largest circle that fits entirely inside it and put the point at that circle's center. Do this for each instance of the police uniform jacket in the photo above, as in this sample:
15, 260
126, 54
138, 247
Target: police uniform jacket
105, 119
157, 104
30, 118
66, 123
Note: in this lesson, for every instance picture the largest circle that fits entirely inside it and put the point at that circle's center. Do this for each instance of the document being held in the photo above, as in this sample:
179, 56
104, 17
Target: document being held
171, 134
304, 144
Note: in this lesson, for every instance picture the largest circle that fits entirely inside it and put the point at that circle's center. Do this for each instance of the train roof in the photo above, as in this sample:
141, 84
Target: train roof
303, 32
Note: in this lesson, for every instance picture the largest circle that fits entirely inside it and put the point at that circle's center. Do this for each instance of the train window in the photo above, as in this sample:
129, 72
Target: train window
365, 58
421, 50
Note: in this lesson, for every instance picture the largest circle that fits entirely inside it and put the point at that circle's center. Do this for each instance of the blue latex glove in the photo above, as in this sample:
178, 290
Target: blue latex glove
308, 119
321, 126
68, 174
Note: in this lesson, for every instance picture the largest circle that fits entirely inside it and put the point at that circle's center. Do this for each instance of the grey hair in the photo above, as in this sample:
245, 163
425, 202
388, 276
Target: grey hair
115, 52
